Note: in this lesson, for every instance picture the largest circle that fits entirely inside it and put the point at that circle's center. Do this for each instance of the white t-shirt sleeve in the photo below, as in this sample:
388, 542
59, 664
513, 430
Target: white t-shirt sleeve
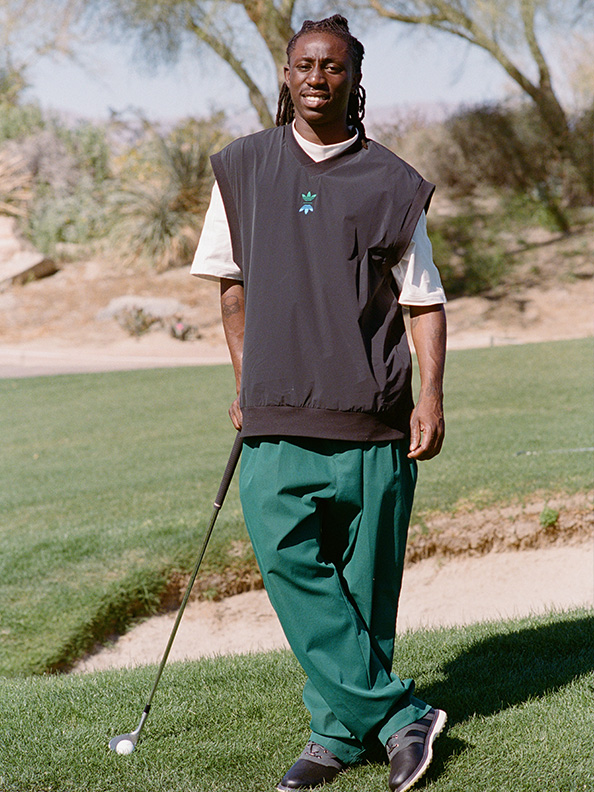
213, 259
416, 274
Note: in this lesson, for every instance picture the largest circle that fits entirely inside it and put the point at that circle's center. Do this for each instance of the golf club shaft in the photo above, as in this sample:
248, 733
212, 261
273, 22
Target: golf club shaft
225, 481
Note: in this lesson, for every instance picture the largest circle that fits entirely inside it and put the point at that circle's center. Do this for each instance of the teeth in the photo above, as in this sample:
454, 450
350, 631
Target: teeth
314, 101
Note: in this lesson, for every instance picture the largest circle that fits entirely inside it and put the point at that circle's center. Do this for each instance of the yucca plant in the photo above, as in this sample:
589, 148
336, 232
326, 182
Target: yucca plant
161, 203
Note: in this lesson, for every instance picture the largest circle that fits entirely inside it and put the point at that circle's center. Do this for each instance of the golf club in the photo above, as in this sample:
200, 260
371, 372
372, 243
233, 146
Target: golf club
125, 743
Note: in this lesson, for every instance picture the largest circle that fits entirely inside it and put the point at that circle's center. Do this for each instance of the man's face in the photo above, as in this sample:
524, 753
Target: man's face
320, 79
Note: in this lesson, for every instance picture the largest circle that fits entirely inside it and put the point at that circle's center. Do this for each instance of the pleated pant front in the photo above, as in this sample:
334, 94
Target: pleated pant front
328, 520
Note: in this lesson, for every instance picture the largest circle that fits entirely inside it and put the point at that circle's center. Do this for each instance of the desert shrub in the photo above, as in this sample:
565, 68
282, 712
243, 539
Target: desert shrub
137, 321
67, 169
470, 260
78, 217
70, 188
584, 153
415, 138
19, 121
51, 165
505, 146
548, 517
89, 145
12, 82
165, 188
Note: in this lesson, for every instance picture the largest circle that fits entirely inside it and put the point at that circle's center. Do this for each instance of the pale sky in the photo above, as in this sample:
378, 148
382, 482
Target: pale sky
401, 68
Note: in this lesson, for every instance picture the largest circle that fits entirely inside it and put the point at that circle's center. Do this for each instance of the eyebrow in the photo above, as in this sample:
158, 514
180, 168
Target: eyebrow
311, 58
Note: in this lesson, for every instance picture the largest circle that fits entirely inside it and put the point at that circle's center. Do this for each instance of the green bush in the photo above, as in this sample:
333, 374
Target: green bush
470, 261
12, 83
504, 146
19, 121
15, 184
507, 145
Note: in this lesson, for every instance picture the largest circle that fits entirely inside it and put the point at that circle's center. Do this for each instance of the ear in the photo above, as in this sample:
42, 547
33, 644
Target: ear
287, 72
356, 82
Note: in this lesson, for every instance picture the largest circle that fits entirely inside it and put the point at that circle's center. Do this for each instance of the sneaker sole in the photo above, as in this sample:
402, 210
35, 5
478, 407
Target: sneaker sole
282, 788
435, 730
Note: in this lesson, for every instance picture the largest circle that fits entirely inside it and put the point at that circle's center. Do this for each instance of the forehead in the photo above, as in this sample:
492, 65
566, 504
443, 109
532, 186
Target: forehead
322, 46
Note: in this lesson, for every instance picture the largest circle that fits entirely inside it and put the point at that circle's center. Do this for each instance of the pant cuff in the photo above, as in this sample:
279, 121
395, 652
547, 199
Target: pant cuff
349, 754
416, 710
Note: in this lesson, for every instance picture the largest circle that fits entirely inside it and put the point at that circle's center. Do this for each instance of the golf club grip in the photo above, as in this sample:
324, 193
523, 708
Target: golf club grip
229, 471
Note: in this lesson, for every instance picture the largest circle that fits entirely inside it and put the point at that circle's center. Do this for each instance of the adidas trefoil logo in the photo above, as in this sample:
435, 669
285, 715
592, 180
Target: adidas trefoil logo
307, 202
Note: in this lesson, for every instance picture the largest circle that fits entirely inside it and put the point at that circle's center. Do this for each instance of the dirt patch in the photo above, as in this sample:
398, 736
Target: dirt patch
67, 307
236, 578
535, 524
434, 593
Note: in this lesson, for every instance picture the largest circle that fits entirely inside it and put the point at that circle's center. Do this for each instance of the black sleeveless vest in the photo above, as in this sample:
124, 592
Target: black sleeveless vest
325, 349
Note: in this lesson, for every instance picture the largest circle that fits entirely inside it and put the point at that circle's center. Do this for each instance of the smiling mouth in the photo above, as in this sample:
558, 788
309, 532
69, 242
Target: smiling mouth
314, 100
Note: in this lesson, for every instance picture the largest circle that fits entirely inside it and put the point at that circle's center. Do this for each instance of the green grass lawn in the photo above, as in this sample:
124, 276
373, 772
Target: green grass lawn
518, 694
506, 400
107, 480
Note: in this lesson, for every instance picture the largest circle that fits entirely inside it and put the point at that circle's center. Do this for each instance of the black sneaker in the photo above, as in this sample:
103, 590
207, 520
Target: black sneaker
315, 766
410, 749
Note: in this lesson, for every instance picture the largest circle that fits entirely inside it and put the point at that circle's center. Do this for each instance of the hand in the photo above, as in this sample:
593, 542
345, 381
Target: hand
427, 428
235, 415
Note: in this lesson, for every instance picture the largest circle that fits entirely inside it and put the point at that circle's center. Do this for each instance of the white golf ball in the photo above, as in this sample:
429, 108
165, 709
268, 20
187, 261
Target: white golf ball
125, 747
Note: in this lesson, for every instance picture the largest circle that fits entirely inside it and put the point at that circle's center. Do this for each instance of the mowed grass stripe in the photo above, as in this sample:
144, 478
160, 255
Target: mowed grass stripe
107, 480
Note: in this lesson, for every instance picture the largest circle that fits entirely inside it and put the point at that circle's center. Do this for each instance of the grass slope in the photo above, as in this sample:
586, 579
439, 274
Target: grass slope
518, 695
107, 481
505, 400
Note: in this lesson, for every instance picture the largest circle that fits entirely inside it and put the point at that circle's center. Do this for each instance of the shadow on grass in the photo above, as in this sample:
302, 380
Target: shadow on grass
503, 670
491, 673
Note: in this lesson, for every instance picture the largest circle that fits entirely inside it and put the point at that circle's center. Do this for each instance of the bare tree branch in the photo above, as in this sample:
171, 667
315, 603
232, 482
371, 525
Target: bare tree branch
464, 21
274, 27
257, 98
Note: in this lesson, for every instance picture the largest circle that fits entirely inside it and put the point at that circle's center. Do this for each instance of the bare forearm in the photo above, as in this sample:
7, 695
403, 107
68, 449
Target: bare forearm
428, 327
233, 314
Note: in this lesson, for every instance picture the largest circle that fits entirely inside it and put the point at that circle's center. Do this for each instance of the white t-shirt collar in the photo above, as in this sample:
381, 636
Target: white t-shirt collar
318, 152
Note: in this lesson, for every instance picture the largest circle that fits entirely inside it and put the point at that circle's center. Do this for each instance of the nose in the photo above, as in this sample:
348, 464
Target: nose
316, 76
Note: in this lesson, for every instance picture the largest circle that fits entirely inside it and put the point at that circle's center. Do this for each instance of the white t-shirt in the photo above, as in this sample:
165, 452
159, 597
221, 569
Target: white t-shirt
416, 275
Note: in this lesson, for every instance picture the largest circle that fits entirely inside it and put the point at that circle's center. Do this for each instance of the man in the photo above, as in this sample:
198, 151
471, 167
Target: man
315, 232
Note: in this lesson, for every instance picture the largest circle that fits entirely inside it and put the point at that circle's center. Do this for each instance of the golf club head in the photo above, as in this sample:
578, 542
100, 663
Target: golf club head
115, 741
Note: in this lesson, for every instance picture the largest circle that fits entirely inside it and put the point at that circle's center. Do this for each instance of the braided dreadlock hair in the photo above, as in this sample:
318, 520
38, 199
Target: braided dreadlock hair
338, 26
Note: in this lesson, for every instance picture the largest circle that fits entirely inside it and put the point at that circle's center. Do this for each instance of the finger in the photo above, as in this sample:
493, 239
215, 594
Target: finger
419, 451
415, 434
431, 443
236, 415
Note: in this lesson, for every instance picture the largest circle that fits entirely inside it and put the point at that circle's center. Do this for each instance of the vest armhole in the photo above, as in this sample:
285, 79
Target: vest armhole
421, 200
229, 204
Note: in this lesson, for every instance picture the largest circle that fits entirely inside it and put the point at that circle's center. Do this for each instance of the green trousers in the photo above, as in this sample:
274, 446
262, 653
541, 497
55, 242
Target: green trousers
328, 521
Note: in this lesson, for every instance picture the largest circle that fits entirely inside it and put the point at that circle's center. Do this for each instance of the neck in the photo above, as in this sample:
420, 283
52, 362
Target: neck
323, 134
